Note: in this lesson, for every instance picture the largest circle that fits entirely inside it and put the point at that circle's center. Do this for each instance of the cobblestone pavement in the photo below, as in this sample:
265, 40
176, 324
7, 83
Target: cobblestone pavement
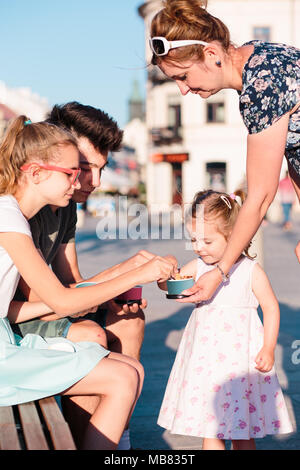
166, 319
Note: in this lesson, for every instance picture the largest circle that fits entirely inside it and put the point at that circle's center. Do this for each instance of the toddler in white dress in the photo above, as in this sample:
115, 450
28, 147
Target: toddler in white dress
223, 384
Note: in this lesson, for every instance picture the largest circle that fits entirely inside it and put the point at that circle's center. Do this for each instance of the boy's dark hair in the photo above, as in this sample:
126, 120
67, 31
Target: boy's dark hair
86, 121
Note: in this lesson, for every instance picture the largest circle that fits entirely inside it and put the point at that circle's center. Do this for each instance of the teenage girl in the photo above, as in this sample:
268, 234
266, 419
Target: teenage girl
39, 166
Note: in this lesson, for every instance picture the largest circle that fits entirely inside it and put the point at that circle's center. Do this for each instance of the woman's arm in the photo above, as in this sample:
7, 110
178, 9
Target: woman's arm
271, 317
295, 178
65, 301
265, 152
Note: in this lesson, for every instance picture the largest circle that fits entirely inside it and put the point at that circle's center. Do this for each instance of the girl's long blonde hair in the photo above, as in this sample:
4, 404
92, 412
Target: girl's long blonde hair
187, 19
223, 208
24, 142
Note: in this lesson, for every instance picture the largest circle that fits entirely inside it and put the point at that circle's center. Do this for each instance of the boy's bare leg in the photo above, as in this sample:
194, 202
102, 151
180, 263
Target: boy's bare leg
125, 331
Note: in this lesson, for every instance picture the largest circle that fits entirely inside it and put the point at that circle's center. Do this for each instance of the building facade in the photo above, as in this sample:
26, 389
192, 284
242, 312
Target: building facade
16, 101
193, 143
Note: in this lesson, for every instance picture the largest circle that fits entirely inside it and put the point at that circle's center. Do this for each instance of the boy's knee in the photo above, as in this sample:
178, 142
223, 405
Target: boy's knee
136, 326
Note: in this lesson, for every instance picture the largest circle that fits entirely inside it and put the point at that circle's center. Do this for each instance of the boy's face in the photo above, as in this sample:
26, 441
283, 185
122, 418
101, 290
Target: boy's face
91, 162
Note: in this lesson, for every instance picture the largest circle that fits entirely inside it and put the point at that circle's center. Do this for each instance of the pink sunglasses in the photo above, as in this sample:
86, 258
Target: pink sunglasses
69, 171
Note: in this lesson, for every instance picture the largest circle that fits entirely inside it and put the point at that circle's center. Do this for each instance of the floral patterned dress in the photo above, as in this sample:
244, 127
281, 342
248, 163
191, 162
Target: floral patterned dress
271, 88
214, 389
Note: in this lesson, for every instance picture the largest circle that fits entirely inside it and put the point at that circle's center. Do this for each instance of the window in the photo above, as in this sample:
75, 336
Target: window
216, 176
215, 108
215, 112
174, 112
174, 116
262, 33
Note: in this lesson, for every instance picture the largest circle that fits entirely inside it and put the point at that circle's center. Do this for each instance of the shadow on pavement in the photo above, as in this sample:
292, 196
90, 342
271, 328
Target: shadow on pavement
162, 338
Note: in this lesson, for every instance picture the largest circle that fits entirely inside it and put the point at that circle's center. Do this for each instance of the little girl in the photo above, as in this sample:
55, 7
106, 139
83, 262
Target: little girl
223, 384
39, 166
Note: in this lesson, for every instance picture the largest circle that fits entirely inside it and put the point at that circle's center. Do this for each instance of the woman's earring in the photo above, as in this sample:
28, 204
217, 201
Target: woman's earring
218, 63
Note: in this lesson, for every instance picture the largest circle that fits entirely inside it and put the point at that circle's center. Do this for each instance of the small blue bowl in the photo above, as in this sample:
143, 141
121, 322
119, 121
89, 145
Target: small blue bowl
176, 286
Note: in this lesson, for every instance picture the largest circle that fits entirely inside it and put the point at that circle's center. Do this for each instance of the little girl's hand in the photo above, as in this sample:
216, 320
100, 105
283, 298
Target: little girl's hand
264, 360
297, 251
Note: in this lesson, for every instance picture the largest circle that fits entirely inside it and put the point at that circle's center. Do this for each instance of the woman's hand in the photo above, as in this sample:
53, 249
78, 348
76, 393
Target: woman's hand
204, 288
264, 360
297, 251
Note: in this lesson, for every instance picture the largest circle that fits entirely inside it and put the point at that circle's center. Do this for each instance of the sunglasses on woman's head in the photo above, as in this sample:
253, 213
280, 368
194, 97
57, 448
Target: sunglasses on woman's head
161, 46
74, 173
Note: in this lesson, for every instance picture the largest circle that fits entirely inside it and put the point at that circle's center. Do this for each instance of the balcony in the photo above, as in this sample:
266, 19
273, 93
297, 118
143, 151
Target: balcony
166, 135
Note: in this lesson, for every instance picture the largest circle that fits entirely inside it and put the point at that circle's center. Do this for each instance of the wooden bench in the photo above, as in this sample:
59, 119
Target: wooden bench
38, 425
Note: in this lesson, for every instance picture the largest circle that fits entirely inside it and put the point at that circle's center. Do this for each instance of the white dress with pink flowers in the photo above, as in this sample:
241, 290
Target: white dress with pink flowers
214, 390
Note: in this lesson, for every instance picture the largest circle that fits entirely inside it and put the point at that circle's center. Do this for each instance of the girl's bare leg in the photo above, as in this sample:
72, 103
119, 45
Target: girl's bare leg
118, 385
244, 444
213, 444
79, 409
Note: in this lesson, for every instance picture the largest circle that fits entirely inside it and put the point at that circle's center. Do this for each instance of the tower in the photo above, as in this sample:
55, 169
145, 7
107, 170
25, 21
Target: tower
136, 103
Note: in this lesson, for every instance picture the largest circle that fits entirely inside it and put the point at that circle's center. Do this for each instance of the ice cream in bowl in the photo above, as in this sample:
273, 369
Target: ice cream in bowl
177, 285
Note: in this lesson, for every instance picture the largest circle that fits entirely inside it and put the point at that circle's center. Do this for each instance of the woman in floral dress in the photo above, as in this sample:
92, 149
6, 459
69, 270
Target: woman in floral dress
193, 48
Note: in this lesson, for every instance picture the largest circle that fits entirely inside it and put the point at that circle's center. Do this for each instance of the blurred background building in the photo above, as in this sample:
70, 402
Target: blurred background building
15, 101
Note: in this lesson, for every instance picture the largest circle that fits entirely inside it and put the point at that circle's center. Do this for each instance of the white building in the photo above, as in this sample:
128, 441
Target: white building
194, 144
24, 101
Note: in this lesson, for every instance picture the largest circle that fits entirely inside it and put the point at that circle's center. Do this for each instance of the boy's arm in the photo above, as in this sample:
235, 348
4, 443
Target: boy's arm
271, 313
65, 264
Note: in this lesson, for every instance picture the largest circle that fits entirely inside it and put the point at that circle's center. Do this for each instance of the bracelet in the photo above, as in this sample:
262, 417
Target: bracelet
225, 277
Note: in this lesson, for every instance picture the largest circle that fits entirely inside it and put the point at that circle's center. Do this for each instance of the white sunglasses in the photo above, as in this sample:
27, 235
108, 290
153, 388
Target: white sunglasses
161, 46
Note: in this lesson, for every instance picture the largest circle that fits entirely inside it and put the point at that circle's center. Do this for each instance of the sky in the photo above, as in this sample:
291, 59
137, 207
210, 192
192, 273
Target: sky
84, 50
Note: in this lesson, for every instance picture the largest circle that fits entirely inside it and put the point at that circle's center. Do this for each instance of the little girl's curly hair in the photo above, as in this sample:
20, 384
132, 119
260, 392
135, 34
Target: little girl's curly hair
221, 207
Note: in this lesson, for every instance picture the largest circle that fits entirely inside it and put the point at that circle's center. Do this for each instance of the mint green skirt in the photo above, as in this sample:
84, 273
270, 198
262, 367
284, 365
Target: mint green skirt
34, 367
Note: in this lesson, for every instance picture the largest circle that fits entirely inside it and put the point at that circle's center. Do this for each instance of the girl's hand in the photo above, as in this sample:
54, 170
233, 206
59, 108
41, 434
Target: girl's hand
204, 288
172, 260
157, 269
83, 313
264, 360
297, 251
142, 257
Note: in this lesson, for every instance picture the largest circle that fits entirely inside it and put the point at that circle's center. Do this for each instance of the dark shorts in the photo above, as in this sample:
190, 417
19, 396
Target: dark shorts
56, 328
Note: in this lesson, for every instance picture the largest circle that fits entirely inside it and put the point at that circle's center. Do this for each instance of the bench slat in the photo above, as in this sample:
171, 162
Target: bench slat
59, 430
8, 433
32, 428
